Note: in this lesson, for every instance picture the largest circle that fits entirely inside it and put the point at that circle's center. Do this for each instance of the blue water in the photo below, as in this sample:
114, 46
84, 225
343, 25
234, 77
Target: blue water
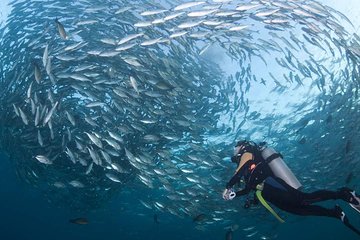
26, 214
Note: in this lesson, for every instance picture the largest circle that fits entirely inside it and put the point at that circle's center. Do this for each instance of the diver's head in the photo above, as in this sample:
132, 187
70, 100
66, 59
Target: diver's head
240, 148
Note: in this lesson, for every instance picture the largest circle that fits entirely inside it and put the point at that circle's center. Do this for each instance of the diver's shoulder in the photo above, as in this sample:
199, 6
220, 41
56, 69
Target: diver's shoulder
247, 156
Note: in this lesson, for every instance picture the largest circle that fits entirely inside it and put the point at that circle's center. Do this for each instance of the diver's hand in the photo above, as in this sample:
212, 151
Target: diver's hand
228, 194
225, 194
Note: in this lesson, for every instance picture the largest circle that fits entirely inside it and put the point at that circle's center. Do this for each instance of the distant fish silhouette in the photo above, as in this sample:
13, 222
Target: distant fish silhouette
229, 235
302, 140
80, 221
199, 218
156, 219
348, 146
329, 119
349, 178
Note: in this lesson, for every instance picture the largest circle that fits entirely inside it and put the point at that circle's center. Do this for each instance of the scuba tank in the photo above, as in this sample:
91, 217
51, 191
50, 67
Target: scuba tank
279, 167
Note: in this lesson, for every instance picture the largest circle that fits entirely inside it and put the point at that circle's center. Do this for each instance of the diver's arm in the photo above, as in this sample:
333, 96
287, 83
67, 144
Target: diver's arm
235, 179
243, 192
240, 170
237, 176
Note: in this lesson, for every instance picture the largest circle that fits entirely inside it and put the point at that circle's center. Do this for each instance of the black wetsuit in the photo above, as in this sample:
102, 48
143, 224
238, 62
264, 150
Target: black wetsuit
279, 193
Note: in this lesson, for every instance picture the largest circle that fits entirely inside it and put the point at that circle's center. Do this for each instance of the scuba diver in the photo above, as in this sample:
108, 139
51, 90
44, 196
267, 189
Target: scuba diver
263, 171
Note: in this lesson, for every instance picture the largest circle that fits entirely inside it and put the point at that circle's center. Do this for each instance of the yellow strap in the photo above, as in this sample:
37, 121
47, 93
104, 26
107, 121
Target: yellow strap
267, 206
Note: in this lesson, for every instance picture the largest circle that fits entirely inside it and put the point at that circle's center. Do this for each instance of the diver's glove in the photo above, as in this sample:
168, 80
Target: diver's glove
228, 194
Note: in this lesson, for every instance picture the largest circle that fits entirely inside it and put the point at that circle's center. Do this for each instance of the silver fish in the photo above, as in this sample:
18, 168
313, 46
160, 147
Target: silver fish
49, 114
174, 15
40, 139
143, 24
94, 139
116, 136
178, 34
134, 84
23, 117
152, 12
16, 110
37, 73
151, 42
43, 159
113, 143
266, 13
86, 22
247, 7
89, 168
70, 118
28, 93
109, 41
238, 28
71, 155
94, 104
94, 156
188, 5
106, 156
201, 13
48, 66
125, 47
77, 184
121, 10
45, 55
132, 61
190, 24
61, 29
79, 77
112, 177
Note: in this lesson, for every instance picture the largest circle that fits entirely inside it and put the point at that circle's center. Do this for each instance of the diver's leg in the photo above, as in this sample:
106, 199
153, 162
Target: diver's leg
292, 202
318, 196
279, 196
350, 196
310, 210
345, 194
291, 196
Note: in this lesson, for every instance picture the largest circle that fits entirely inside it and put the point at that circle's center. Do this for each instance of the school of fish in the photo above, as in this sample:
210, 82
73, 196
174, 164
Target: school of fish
105, 96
